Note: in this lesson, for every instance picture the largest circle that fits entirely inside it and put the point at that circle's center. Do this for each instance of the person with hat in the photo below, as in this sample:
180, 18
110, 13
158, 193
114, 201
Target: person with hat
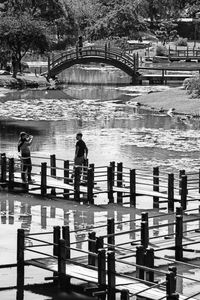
25, 140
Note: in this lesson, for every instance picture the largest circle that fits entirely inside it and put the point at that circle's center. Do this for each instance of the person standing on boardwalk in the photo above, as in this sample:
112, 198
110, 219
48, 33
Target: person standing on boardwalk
81, 151
24, 143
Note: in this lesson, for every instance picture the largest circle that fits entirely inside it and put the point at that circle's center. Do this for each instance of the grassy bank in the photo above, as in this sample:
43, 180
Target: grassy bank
173, 98
22, 81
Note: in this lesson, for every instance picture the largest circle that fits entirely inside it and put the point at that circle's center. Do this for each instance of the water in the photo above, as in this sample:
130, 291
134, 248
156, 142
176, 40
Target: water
114, 128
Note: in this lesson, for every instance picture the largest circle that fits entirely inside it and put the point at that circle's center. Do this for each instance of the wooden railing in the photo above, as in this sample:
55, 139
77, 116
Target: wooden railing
108, 54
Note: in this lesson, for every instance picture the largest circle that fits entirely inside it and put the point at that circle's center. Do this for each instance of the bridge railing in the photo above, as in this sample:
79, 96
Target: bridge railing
104, 52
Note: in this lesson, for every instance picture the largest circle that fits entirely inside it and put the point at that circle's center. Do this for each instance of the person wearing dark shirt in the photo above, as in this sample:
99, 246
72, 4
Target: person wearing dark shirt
81, 153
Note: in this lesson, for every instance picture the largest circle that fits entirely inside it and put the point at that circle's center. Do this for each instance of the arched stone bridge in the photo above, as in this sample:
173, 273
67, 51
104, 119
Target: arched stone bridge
110, 56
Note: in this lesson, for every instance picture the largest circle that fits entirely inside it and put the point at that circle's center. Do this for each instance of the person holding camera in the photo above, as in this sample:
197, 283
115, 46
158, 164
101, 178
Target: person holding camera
24, 143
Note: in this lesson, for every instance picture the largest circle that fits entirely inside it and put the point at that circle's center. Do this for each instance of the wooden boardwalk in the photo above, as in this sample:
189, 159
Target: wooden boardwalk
114, 267
92, 184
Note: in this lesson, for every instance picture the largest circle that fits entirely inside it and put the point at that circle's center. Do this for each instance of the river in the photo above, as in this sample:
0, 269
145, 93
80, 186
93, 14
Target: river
99, 102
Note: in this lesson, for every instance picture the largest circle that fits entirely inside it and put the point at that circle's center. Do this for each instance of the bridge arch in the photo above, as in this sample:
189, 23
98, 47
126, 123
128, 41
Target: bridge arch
113, 57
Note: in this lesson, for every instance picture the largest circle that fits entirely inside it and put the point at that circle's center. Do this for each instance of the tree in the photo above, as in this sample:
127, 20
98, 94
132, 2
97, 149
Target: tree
166, 31
123, 20
19, 34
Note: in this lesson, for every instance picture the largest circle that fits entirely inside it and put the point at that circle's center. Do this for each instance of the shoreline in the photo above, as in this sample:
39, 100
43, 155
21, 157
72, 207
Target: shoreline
26, 80
176, 98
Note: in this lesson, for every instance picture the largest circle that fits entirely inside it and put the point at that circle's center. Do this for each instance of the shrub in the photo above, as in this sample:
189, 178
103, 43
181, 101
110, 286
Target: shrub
161, 50
192, 86
182, 42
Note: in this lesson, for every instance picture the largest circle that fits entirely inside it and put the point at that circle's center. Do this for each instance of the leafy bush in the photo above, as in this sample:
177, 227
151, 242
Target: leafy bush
182, 42
161, 50
192, 86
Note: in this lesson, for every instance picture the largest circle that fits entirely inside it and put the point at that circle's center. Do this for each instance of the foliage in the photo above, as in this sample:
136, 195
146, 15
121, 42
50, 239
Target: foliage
161, 50
20, 33
121, 21
192, 86
182, 42
167, 31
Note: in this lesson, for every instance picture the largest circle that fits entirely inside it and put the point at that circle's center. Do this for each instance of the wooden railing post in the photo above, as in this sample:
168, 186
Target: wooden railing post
181, 173
53, 165
3, 167
111, 233
66, 237
90, 185
11, 175
56, 238
43, 178
156, 186
110, 184
77, 184
133, 188
125, 295
184, 192
62, 265
179, 238
102, 270
119, 181
111, 275
171, 287
112, 165
171, 192
144, 230
66, 178
91, 248
149, 262
20, 258
140, 254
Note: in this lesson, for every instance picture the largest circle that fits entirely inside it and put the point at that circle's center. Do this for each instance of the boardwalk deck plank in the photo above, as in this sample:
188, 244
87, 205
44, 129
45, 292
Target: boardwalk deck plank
81, 273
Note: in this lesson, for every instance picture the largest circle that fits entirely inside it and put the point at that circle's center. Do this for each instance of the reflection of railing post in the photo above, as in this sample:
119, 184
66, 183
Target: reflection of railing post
125, 295
3, 167
171, 192
20, 258
43, 178
66, 178
53, 165
156, 186
11, 175
119, 181
133, 187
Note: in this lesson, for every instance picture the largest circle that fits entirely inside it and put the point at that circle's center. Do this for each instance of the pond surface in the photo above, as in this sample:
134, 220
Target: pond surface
114, 127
